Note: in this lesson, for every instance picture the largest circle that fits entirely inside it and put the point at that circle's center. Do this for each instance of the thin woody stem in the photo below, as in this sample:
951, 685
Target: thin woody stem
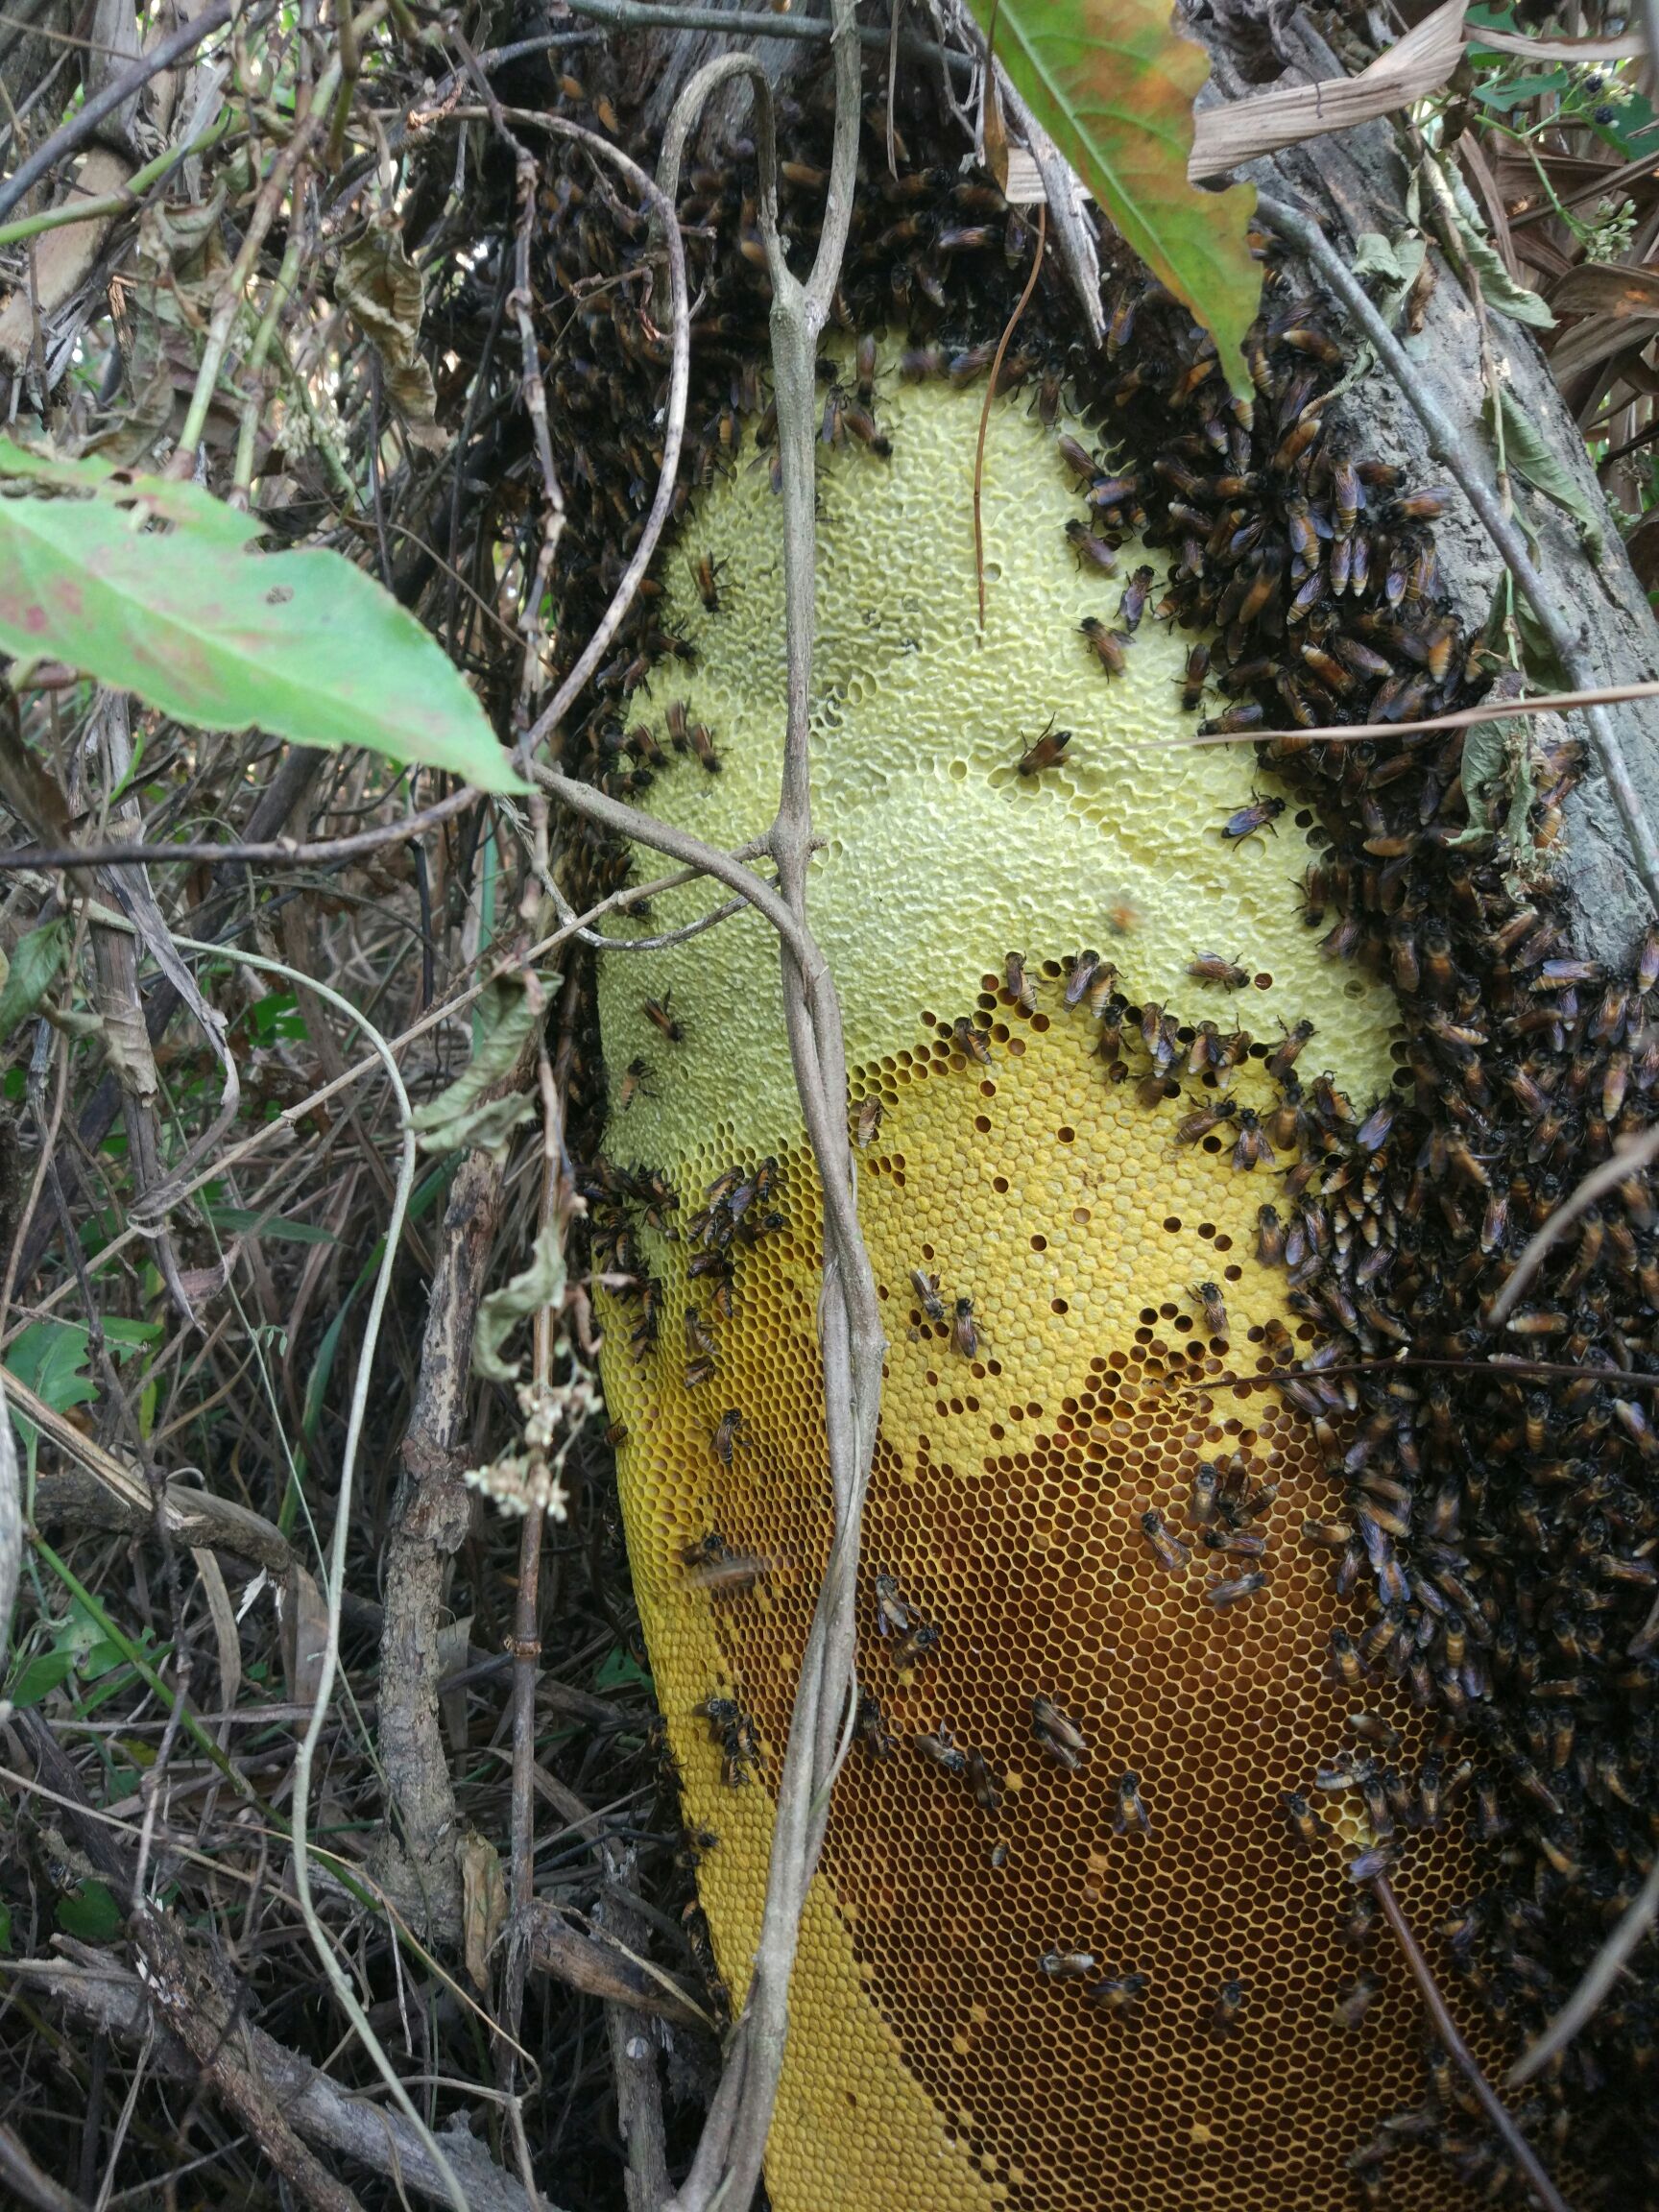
1462, 2057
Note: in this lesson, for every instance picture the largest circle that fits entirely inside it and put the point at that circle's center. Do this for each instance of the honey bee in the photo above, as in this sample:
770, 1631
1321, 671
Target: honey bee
917, 1644
1206, 1488
698, 1341
1209, 1297
697, 1372
1193, 1127
1043, 751
1283, 1058
702, 742
1235, 1543
658, 1012
1193, 678
864, 368
1356, 2001
1371, 1728
708, 574
633, 1084
1090, 551
616, 1434
964, 1335
892, 1614
1252, 1144
1231, 1593
970, 1041
1167, 1549
870, 1728
1229, 2004
1065, 1965
730, 1433
1086, 968
1131, 1811
1118, 1999
1211, 968
1366, 1866
1419, 506
1269, 1237
730, 1573
941, 1751
1305, 1827
1021, 984
1133, 604
1058, 1733
1077, 457
987, 1792
1111, 647
1260, 813
1359, 1923
927, 1295
1236, 720
868, 1124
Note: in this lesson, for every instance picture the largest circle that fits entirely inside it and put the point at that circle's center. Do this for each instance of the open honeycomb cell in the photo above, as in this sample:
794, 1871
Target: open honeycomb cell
933, 2062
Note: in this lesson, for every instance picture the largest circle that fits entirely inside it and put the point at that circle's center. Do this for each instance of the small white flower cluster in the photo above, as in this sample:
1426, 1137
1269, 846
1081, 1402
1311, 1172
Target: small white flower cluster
1609, 236
530, 1478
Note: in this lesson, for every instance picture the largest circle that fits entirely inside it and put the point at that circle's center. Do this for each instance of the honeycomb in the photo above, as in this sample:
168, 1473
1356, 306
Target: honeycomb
939, 856
931, 2061
1007, 1502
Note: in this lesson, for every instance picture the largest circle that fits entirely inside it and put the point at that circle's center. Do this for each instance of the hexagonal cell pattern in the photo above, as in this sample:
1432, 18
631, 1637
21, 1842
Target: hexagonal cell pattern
1007, 1505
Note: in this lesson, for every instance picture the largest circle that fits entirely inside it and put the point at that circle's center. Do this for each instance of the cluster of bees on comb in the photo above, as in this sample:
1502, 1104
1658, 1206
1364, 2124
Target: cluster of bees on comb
1502, 1512
734, 1218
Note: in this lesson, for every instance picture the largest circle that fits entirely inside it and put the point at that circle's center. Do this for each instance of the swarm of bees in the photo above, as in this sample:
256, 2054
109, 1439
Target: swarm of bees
739, 1740
1501, 1520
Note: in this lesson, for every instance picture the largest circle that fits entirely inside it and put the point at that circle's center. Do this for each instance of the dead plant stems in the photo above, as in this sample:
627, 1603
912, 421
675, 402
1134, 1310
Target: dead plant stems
114, 95
291, 1115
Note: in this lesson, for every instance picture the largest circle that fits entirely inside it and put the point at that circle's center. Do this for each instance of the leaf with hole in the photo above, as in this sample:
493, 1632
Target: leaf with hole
1113, 84
154, 588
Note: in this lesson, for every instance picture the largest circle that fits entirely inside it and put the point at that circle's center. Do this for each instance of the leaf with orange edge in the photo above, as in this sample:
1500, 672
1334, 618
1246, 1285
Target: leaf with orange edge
1113, 84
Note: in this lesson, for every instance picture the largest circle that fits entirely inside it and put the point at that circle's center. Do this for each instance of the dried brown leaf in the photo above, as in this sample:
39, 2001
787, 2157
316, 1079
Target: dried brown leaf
304, 1635
1245, 130
1604, 288
483, 1905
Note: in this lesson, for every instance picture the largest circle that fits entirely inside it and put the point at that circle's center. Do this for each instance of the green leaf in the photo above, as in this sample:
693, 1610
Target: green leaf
270, 1226
1530, 457
150, 587
91, 1914
1113, 84
50, 1358
36, 960
619, 1670
541, 1283
6, 1929
1498, 288
462, 1117
39, 1676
